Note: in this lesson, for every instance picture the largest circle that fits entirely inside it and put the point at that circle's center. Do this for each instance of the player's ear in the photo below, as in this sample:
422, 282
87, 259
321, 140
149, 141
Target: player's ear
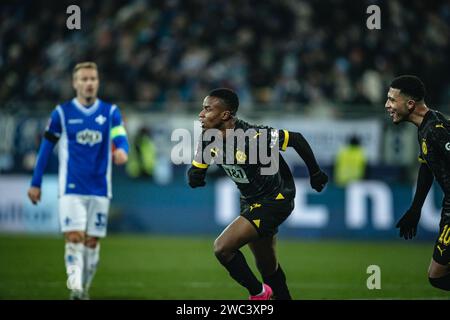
411, 104
226, 115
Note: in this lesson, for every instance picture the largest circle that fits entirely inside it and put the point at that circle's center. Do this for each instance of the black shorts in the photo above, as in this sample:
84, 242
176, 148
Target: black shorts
441, 252
267, 215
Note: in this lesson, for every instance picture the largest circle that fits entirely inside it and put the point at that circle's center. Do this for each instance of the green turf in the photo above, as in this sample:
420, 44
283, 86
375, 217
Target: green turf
151, 267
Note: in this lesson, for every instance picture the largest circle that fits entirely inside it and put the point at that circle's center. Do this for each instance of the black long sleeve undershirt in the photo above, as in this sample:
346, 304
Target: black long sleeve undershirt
424, 182
301, 146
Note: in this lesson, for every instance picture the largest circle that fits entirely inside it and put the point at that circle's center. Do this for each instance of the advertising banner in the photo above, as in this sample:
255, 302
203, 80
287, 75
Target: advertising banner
362, 210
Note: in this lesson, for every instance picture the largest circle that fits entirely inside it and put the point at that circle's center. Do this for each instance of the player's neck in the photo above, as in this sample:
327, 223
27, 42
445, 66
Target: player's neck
231, 124
87, 102
419, 113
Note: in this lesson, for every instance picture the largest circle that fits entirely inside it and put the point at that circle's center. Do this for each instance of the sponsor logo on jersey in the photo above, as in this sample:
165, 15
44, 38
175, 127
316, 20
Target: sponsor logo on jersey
89, 137
75, 121
100, 119
440, 249
447, 146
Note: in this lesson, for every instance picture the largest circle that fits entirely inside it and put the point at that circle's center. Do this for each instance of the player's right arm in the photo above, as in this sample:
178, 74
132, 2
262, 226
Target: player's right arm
197, 171
49, 140
409, 221
424, 182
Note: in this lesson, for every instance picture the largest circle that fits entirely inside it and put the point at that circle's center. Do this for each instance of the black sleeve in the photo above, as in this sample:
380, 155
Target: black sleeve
198, 160
424, 183
301, 146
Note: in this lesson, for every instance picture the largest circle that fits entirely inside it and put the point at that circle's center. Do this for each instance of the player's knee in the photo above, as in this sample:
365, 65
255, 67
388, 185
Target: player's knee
222, 251
436, 270
74, 236
91, 242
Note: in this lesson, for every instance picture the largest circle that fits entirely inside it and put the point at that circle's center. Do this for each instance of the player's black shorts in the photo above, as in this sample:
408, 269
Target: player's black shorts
267, 215
441, 252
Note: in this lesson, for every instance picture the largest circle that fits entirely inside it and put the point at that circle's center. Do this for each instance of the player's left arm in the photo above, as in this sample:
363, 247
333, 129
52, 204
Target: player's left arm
409, 221
296, 140
119, 138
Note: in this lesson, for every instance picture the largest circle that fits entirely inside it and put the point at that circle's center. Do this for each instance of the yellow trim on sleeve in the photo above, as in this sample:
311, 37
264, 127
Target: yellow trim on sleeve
118, 131
199, 165
422, 160
286, 140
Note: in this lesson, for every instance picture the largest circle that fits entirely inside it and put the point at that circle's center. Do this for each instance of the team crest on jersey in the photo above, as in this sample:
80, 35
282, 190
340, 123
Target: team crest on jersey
100, 119
241, 156
89, 137
424, 147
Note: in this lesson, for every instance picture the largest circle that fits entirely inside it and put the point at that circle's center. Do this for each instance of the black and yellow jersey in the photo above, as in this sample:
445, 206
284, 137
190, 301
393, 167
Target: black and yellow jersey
434, 142
245, 168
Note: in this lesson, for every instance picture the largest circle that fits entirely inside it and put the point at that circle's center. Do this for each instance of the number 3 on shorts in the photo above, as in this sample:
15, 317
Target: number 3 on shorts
100, 221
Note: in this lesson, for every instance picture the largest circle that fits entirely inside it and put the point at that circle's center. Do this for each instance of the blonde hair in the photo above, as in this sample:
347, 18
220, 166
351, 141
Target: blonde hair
84, 65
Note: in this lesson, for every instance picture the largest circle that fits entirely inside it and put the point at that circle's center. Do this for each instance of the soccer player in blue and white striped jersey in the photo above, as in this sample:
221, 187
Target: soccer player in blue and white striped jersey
86, 129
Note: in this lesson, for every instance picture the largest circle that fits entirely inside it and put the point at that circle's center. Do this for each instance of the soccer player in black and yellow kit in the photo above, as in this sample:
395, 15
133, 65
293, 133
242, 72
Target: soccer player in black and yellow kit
405, 102
266, 199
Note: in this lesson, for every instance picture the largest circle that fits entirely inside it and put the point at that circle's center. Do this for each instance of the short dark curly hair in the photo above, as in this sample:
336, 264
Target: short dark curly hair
410, 85
228, 97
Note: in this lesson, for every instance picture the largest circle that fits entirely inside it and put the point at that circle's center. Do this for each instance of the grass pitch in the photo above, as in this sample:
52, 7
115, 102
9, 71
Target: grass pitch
178, 268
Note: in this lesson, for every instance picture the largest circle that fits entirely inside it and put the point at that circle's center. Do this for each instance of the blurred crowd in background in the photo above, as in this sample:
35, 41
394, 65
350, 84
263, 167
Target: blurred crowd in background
161, 55
309, 58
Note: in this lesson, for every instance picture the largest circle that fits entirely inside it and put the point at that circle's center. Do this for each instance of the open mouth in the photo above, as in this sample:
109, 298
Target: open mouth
392, 114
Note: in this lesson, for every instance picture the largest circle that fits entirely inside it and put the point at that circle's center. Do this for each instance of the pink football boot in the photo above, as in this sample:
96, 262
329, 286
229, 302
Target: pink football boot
266, 295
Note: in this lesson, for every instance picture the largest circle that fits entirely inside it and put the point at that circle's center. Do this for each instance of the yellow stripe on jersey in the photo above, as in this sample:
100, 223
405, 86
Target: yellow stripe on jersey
286, 140
118, 131
199, 165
